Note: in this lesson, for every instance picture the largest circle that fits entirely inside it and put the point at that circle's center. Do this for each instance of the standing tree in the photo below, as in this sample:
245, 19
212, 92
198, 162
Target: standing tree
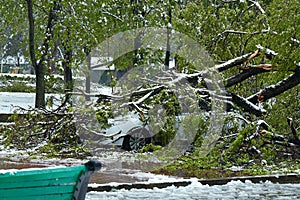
39, 62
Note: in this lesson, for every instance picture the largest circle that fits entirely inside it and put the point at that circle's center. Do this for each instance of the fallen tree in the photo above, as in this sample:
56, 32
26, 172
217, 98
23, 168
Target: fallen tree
249, 104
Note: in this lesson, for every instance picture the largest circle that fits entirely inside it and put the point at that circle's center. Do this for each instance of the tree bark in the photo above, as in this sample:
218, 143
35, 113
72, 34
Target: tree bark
243, 76
40, 87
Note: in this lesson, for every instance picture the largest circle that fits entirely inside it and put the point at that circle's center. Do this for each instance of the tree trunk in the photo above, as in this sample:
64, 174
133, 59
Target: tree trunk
39, 68
40, 86
168, 50
88, 76
168, 53
68, 79
31, 33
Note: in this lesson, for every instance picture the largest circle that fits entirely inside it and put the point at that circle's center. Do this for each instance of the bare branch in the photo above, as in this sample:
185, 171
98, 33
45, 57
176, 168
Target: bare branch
258, 6
249, 71
112, 15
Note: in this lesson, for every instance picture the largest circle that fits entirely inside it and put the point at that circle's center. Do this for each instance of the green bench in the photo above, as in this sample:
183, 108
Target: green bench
55, 183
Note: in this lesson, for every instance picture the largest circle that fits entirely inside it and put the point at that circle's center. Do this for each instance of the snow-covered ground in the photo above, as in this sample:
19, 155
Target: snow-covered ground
10, 101
232, 190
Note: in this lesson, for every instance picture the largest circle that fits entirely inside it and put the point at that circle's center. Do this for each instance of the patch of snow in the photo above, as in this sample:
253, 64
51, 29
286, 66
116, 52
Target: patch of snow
157, 178
236, 168
10, 101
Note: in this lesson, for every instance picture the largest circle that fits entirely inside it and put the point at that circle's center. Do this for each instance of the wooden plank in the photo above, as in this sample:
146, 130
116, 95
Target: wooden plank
39, 183
67, 196
25, 175
47, 183
37, 191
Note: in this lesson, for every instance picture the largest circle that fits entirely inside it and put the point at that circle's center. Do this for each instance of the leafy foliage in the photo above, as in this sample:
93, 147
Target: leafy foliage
43, 133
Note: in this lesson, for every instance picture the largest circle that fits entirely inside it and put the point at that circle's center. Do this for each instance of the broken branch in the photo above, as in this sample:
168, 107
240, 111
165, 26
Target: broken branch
236, 61
274, 90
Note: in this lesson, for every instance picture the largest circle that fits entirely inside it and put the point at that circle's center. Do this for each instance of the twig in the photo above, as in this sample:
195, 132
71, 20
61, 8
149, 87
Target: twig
112, 15
258, 6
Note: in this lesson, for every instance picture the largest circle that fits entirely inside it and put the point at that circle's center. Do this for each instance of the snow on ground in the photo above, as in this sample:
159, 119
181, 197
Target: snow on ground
10, 101
157, 178
232, 190
144, 178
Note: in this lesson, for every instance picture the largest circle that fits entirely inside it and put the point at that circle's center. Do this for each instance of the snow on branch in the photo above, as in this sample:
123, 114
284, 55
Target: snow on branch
274, 90
112, 15
236, 61
295, 40
100, 96
243, 32
230, 1
251, 1
267, 52
258, 6
101, 134
258, 132
247, 105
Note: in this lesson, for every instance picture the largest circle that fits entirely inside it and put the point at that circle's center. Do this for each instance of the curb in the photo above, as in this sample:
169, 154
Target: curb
281, 179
